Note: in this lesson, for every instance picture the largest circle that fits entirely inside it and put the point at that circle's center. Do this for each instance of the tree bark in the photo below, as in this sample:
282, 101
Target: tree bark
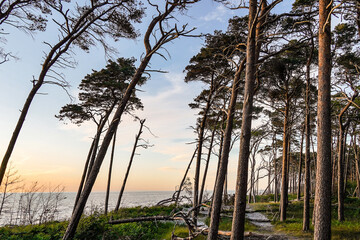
109, 174
196, 201
184, 178
347, 163
252, 176
307, 193
206, 166
341, 175
219, 184
92, 153
218, 165
100, 128
358, 16
129, 166
238, 224
342, 144
276, 191
356, 153
300, 164
334, 151
357, 170
322, 228
284, 171
81, 185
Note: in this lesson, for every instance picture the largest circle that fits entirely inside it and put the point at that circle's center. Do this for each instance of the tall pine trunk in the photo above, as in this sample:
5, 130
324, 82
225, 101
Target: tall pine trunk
341, 155
199, 154
341, 176
285, 163
357, 169
238, 224
307, 193
300, 164
322, 228
276, 191
222, 170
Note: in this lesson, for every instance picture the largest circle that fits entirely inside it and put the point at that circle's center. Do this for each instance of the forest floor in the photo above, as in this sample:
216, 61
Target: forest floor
264, 228
292, 227
261, 223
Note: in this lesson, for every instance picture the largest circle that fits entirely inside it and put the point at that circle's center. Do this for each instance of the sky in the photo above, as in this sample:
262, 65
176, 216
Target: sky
53, 153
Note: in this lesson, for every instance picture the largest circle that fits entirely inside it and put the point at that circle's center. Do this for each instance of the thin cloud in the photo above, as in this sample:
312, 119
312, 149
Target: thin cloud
219, 14
171, 169
181, 158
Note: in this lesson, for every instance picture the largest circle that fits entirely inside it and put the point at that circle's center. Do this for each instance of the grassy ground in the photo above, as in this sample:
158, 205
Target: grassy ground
349, 229
95, 227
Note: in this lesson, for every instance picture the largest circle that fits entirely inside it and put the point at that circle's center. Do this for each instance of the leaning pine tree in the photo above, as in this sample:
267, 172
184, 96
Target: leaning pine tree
100, 92
166, 35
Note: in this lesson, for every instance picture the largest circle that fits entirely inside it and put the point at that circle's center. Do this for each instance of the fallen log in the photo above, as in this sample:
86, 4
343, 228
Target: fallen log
258, 220
144, 219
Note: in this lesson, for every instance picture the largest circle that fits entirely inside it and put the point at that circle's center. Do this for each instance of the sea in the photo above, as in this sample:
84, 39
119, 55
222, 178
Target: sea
33, 208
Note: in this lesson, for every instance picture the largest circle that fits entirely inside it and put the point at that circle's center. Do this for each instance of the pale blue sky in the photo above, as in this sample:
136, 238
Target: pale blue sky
52, 152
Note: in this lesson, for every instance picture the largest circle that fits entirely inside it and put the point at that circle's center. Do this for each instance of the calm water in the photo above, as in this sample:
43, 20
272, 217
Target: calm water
21, 209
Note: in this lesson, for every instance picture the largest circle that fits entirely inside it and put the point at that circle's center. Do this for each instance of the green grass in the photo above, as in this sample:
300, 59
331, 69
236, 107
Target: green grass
96, 227
349, 229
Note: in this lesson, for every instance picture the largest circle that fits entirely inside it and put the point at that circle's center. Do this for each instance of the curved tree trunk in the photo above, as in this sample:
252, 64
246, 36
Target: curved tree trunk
18, 127
56, 52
